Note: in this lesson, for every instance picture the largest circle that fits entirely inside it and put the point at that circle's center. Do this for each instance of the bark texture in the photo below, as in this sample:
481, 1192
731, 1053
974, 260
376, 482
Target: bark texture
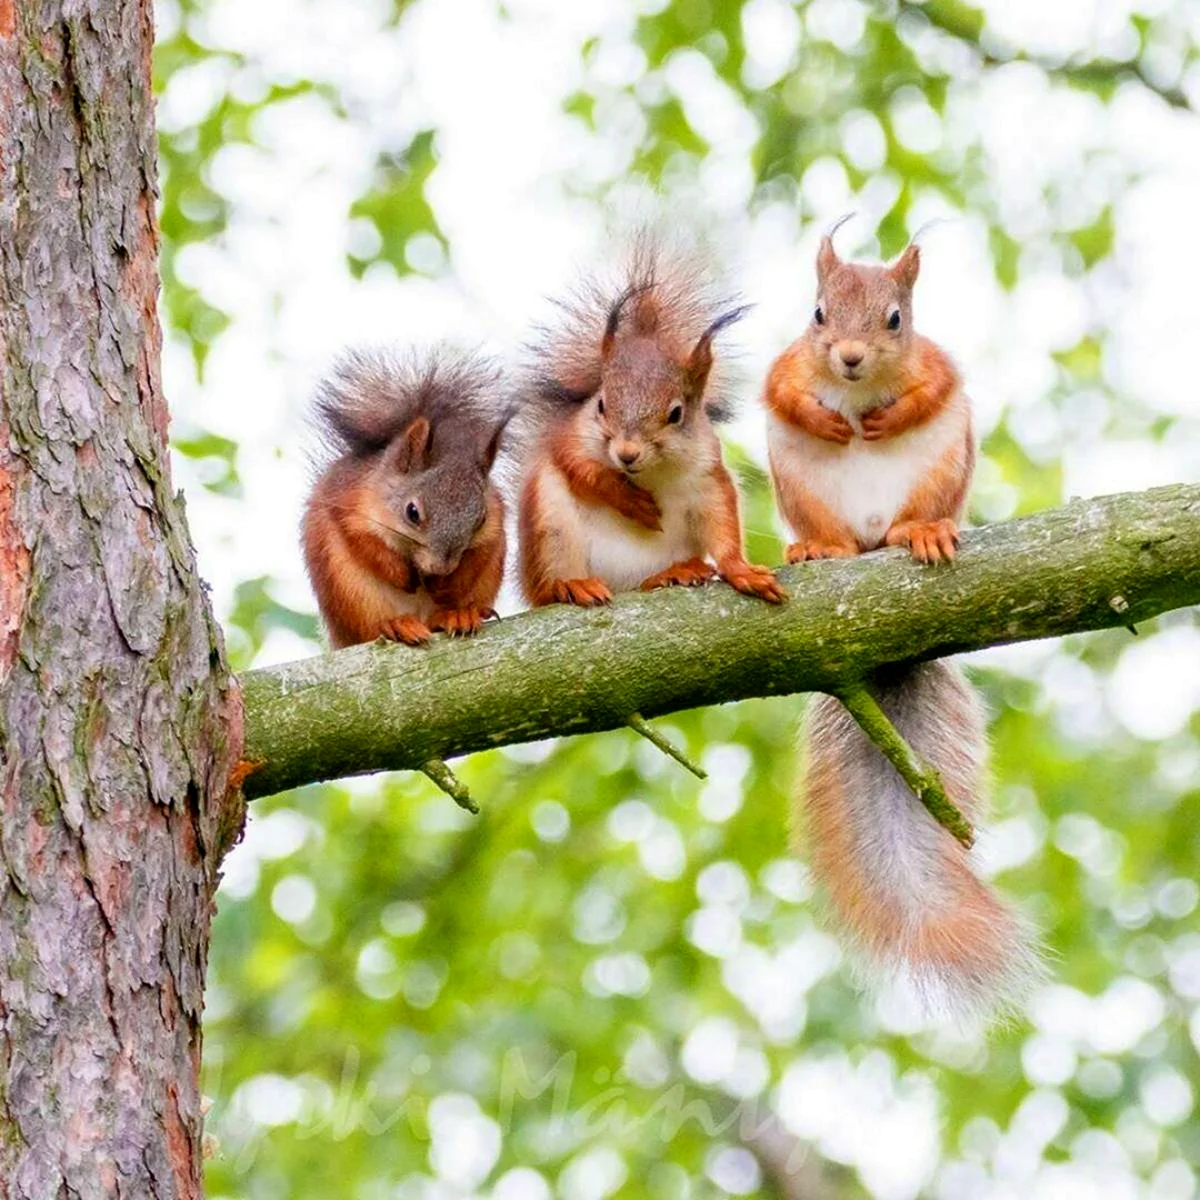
1090, 565
117, 717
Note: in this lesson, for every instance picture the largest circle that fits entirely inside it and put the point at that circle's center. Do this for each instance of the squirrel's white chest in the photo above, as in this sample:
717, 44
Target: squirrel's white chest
865, 484
622, 552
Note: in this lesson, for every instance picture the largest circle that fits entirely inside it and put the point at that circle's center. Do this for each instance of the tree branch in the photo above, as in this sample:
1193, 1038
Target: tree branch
924, 781
1090, 565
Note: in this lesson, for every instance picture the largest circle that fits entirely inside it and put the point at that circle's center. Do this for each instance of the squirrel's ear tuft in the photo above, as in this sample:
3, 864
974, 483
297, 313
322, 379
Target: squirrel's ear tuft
827, 258
614, 318
411, 449
907, 267
493, 444
700, 360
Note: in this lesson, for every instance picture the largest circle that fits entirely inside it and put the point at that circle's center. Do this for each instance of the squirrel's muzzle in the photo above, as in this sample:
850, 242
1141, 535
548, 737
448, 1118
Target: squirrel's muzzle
625, 453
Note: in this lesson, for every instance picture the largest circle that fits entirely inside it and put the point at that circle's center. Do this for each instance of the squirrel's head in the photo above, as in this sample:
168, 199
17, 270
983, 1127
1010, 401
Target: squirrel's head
435, 491
651, 397
862, 320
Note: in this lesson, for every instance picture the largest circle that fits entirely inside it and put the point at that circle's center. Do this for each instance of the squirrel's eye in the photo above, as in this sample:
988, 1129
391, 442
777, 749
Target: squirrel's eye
600, 406
819, 315
412, 512
894, 319
675, 415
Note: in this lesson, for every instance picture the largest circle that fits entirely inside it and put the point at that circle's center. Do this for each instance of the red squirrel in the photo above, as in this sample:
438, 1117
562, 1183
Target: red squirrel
870, 444
626, 487
403, 533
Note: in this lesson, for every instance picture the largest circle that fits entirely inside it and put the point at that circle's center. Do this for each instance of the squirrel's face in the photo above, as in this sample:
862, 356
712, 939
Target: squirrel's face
862, 320
646, 408
437, 502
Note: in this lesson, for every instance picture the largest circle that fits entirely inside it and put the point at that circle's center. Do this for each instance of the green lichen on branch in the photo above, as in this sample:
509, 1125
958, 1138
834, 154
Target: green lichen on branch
439, 773
563, 671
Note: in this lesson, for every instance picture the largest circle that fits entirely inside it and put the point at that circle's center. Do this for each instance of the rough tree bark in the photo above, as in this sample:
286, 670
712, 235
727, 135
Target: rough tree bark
117, 717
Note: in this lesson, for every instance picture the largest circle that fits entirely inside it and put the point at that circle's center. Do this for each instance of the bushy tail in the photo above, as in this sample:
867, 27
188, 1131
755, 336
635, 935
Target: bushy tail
900, 884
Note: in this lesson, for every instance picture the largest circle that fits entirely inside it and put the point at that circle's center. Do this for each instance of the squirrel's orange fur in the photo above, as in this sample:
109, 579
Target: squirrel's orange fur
403, 533
625, 487
871, 444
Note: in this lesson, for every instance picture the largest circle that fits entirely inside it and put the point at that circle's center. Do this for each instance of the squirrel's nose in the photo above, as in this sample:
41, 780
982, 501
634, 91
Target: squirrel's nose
851, 357
628, 452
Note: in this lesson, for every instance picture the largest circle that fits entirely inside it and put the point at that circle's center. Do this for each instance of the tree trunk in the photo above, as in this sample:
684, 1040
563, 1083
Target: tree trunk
118, 719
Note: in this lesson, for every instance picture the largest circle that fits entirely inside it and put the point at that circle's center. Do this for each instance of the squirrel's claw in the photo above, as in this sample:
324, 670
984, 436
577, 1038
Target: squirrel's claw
587, 593
753, 580
799, 552
458, 622
928, 541
407, 629
690, 573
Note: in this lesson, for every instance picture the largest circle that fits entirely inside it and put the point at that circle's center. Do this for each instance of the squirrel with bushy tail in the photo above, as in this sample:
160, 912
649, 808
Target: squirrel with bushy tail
871, 444
403, 533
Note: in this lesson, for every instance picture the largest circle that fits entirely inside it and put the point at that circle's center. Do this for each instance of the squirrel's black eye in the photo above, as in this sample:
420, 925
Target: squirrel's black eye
894, 319
819, 315
412, 512
675, 415
600, 406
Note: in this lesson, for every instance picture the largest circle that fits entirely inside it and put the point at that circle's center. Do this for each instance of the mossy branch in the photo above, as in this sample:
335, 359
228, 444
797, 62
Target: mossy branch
1093, 564
438, 772
639, 724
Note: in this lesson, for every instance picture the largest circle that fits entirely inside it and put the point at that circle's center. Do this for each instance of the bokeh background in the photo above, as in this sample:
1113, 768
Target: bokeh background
616, 982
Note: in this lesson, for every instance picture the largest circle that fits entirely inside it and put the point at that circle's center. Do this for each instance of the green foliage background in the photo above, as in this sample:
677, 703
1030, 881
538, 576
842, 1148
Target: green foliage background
616, 982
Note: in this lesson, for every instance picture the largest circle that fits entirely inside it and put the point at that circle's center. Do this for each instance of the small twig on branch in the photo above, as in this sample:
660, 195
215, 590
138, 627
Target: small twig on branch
924, 781
437, 770
639, 724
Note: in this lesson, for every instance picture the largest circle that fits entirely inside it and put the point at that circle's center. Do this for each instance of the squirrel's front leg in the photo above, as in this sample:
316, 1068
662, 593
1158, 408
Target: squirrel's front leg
467, 597
597, 483
553, 558
819, 532
928, 521
721, 534
690, 573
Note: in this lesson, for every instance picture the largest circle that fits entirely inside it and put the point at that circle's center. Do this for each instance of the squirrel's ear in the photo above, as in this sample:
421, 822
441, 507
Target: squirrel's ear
412, 447
493, 446
700, 361
907, 267
827, 258
614, 318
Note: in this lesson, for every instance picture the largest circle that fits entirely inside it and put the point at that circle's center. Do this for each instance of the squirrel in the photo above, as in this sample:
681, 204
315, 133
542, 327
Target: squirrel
870, 444
403, 532
625, 488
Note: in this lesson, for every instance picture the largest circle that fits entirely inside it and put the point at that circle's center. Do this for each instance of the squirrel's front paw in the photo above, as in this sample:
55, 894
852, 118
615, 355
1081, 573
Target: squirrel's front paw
407, 629
929, 541
690, 573
881, 422
753, 580
640, 506
458, 622
828, 425
798, 552
587, 593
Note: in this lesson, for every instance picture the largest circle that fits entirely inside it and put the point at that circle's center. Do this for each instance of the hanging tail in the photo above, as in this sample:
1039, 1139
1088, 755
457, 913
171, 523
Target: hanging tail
901, 885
